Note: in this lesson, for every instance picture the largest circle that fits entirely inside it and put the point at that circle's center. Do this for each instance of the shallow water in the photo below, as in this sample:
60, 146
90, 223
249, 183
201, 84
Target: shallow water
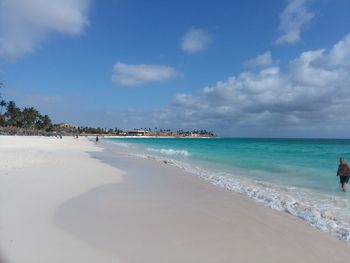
293, 175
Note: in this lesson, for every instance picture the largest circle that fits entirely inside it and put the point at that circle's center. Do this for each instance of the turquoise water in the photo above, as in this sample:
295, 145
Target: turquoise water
294, 175
294, 162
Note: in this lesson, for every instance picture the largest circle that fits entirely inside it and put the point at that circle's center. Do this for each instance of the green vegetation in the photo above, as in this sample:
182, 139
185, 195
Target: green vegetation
89, 130
69, 129
29, 121
27, 118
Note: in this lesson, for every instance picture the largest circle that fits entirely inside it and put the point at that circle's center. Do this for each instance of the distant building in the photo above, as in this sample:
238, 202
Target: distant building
137, 133
63, 125
66, 126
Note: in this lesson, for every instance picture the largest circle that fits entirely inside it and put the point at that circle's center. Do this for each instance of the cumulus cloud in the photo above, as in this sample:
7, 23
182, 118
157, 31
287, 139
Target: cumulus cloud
313, 92
340, 54
293, 20
263, 60
137, 75
195, 41
26, 24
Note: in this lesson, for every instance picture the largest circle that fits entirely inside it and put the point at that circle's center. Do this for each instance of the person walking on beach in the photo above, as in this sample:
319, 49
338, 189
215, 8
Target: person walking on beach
343, 173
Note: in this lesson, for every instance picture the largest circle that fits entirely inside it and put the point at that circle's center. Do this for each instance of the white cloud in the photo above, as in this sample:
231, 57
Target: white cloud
263, 60
340, 54
313, 92
26, 24
195, 40
137, 75
293, 20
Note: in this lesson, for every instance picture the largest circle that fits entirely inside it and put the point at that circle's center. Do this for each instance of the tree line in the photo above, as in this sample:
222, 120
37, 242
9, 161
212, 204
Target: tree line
28, 117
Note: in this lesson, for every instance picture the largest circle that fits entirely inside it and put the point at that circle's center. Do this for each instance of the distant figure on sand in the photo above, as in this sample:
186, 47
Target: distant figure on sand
343, 173
96, 138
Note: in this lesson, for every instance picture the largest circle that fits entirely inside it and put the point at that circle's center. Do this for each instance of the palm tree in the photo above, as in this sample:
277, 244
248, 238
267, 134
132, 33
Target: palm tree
2, 105
2, 117
13, 114
43, 123
29, 117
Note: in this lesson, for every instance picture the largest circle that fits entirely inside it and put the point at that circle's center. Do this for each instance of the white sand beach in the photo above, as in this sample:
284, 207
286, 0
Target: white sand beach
37, 174
73, 200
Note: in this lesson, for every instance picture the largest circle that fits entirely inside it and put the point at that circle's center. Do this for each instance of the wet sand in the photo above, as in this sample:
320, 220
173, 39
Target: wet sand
77, 201
160, 213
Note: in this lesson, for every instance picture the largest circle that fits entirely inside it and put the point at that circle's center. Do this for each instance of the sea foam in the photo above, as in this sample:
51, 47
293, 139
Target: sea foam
329, 212
319, 211
169, 151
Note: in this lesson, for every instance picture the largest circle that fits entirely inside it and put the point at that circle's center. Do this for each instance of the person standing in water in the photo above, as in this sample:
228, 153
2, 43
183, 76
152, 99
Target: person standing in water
343, 173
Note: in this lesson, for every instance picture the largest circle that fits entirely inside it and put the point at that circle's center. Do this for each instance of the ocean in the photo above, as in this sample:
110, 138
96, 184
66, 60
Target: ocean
297, 176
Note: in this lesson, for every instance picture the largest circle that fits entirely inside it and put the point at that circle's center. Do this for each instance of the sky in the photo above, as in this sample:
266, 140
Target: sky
244, 68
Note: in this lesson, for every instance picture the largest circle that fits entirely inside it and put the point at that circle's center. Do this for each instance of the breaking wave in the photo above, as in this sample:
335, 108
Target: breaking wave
326, 212
169, 151
318, 210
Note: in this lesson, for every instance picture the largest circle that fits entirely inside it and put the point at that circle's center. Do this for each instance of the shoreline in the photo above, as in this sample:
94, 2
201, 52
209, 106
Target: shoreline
310, 206
137, 210
155, 137
174, 205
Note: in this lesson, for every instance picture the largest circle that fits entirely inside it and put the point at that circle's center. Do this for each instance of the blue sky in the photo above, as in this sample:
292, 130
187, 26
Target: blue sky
240, 68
